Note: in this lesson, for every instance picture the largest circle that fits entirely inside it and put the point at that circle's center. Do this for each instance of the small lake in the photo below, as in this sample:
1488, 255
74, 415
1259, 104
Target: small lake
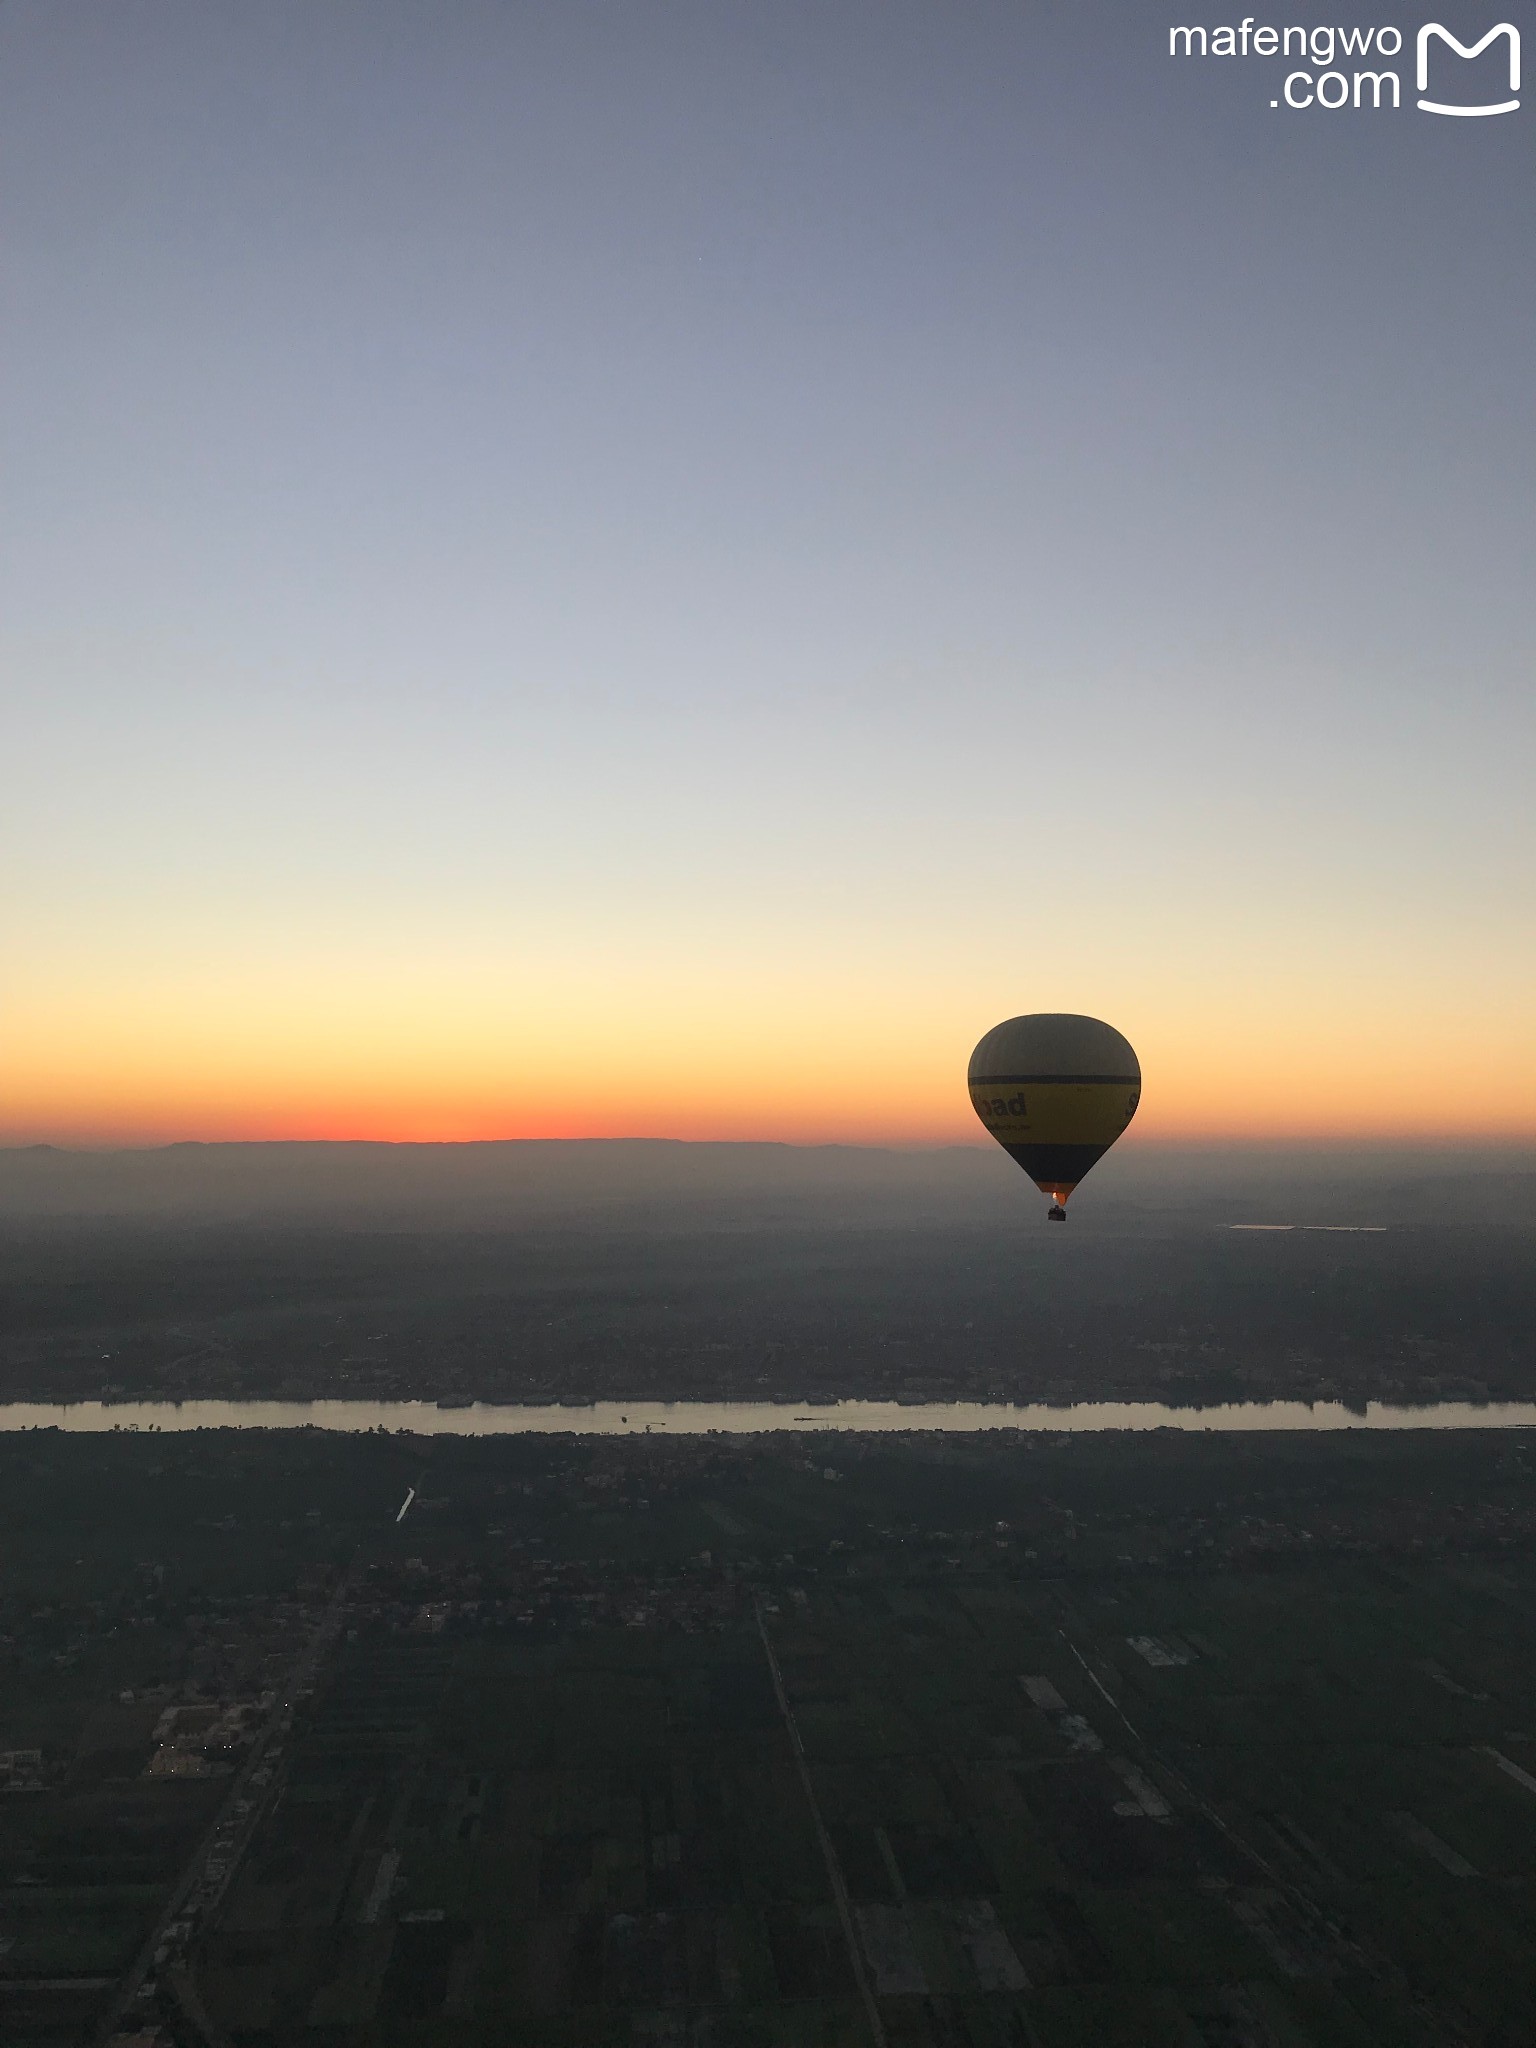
744, 1418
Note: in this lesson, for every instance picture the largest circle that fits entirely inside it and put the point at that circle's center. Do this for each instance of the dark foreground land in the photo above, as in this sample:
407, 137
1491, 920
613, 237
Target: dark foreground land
972, 1742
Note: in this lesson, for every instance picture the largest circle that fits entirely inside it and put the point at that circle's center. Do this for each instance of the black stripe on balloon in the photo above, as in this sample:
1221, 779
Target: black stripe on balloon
1051, 1080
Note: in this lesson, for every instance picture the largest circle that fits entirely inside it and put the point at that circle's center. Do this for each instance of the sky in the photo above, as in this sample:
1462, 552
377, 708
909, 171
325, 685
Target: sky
647, 568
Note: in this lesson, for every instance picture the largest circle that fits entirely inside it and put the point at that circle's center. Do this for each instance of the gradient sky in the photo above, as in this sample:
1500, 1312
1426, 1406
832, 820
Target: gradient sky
657, 568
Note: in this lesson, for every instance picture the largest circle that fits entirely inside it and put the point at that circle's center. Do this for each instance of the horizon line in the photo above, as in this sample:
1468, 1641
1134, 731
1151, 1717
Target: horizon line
1147, 1142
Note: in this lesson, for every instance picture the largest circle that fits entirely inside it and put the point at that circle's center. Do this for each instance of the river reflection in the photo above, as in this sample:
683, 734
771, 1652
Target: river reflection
742, 1418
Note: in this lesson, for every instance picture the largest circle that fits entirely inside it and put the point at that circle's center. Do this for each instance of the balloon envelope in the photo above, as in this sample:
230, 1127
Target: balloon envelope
1055, 1091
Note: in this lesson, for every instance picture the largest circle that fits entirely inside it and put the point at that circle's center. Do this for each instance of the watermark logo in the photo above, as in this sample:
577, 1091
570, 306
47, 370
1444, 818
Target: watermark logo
1322, 79
1469, 50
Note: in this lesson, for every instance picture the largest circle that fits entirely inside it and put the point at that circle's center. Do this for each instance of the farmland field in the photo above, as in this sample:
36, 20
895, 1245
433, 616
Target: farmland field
979, 1743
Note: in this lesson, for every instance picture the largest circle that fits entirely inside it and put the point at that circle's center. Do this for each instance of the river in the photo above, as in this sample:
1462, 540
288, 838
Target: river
742, 1418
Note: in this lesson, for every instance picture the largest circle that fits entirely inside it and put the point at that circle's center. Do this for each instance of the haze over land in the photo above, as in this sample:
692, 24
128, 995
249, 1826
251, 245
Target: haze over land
572, 1271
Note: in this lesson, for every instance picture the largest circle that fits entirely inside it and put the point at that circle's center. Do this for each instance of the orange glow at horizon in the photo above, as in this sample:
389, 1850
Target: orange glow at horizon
796, 1046
795, 1095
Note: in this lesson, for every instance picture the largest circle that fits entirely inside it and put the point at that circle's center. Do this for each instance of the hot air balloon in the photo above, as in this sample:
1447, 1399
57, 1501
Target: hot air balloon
1055, 1092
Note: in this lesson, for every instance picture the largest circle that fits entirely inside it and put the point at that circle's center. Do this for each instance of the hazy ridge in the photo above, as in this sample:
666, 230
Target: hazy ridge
667, 1184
